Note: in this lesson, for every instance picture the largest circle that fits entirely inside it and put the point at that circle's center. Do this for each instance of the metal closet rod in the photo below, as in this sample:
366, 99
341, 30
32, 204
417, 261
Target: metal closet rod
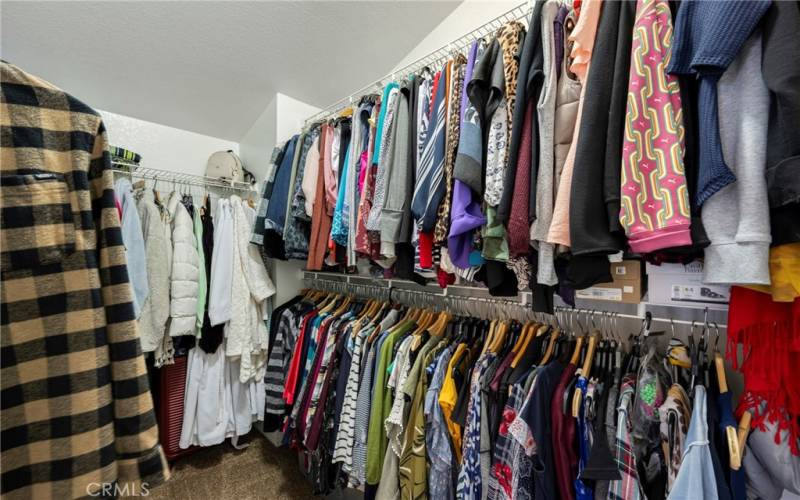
520, 12
453, 291
393, 289
591, 312
444, 299
168, 176
345, 282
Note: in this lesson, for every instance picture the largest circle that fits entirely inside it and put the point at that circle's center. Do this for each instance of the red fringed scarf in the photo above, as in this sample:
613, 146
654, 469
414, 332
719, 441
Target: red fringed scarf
769, 333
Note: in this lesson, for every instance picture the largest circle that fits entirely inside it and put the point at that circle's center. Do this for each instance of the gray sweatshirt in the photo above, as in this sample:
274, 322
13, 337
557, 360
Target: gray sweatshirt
736, 218
545, 189
396, 186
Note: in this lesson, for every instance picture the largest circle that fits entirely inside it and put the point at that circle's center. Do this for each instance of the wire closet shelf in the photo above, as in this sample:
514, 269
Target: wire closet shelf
176, 178
389, 288
519, 13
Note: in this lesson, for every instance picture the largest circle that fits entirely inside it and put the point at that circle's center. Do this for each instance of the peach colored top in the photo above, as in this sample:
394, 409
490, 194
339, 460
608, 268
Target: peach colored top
583, 40
329, 172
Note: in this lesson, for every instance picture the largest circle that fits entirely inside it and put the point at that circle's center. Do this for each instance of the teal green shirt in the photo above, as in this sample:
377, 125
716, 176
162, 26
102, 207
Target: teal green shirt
381, 406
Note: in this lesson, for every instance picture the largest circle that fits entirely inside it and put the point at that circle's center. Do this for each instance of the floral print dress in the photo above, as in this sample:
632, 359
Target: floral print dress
469, 477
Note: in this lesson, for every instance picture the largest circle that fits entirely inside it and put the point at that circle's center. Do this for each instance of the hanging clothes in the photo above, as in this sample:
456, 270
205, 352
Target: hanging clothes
155, 311
185, 268
276, 209
211, 336
100, 337
582, 38
246, 334
696, 477
132, 237
736, 218
708, 37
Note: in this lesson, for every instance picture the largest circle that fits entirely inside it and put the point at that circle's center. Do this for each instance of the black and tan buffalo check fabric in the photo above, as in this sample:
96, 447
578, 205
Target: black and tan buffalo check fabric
77, 413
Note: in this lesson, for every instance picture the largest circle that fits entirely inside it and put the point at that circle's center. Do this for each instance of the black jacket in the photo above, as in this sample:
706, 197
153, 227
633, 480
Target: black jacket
781, 70
588, 223
522, 97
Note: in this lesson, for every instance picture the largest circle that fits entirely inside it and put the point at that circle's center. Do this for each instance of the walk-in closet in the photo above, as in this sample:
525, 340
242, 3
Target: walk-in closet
456, 249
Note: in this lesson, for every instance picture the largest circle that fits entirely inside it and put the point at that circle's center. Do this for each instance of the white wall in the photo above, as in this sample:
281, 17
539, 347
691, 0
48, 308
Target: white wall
164, 147
468, 16
256, 146
291, 116
282, 118
289, 119
285, 116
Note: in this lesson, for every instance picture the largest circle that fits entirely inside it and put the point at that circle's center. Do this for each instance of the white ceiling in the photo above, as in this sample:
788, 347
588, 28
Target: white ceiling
211, 67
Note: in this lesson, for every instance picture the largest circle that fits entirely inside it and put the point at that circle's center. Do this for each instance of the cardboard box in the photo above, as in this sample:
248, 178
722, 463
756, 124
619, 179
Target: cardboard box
626, 286
682, 285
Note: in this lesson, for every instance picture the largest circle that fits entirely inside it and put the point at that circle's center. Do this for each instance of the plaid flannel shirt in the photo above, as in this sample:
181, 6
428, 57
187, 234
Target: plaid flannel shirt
626, 488
77, 413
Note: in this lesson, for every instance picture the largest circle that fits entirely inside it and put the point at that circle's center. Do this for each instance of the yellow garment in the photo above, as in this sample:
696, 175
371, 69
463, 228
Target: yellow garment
413, 469
447, 400
784, 273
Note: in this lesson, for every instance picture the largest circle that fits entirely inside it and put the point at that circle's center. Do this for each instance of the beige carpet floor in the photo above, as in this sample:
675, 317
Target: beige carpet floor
222, 472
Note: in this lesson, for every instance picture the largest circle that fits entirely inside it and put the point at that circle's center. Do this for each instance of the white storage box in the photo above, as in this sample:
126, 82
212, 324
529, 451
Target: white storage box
682, 285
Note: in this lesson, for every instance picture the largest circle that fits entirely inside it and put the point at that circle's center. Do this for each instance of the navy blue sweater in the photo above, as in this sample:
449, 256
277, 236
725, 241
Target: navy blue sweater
708, 36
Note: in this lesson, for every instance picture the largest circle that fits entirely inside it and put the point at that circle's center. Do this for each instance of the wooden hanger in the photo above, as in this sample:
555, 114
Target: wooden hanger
441, 323
523, 337
491, 344
526, 336
377, 331
380, 307
551, 347
424, 322
374, 307
576, 354
731, 433
744, 430
500, 336
343, 306
321, 296
719, 364
367, 307
331, 303
409, 316
489, 337
587, 366
321, 301
356, 329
